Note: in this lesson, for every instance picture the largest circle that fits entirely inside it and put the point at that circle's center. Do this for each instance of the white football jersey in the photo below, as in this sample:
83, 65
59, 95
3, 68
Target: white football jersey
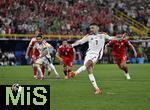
42, 47
96, 43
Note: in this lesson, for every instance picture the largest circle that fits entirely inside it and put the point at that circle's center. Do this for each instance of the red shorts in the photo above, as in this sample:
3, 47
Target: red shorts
67, 62
119, 58
33, 56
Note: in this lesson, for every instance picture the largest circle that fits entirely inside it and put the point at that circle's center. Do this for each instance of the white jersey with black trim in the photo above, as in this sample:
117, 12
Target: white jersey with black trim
42, 47
96, 43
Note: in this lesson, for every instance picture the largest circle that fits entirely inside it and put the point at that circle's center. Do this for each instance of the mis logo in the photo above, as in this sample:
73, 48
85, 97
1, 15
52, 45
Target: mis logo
30, 97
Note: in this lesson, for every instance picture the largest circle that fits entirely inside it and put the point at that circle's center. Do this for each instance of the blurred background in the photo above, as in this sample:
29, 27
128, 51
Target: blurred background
69, 20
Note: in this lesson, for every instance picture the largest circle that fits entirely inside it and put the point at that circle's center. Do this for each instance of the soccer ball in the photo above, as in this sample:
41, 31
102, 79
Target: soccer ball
16, 87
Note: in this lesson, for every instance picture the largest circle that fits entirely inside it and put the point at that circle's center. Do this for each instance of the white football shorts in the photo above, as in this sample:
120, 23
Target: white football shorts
91, 56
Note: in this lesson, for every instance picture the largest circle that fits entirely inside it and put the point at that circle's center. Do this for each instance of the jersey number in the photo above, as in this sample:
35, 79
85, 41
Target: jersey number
96, 42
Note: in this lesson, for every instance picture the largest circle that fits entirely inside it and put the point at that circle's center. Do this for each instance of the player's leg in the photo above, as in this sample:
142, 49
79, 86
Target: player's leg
50, 67
34, 70
38, 66
68, 67
125, 69
34, 67
65, 72
54, 69
89, 66
123, 66
43, 68
82, 68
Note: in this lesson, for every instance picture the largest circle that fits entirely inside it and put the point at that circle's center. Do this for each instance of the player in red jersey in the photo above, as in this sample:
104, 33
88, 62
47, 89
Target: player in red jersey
66, 54
33, 55
118, 50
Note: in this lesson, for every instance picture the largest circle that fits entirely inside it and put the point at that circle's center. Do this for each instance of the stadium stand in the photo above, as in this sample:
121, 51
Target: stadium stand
55, 17
71, 19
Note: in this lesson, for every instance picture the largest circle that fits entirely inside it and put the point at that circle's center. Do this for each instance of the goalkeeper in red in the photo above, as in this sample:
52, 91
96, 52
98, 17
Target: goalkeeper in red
118, 51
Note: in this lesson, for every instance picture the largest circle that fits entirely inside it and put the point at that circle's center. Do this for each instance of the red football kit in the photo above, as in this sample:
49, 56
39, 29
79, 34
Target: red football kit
34, 55
36, 52
67, 55
119, 49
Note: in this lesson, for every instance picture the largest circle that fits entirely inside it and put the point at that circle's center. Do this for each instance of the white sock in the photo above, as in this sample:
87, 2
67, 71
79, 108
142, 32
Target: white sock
49, 68
127, 76
93, 81
82, 68
39, 70
54, 69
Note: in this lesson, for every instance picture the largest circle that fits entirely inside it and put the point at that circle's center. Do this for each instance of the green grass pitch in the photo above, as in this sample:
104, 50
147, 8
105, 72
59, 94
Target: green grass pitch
78, 94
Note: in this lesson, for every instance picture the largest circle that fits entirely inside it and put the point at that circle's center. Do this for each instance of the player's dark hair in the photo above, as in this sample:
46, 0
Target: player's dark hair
39, 36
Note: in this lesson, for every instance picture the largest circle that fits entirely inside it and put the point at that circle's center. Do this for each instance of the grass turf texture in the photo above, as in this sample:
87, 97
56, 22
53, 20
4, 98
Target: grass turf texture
78, 94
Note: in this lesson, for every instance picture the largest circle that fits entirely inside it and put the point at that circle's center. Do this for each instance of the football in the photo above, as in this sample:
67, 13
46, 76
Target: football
16, 87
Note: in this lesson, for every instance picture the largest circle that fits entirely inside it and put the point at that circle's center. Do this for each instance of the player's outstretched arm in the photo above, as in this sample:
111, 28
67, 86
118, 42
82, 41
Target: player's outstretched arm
47, 45
114, 37
27, 52
106, 48
28, 48
81, 41
132, 47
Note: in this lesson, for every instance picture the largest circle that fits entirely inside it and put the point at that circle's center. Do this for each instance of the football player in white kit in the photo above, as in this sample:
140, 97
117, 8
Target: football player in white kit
44, 57
96, 42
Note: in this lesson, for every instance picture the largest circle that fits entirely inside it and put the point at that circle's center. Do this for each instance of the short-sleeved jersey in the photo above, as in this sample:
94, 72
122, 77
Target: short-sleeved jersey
42, 47
66, 52
95, 43
118, 46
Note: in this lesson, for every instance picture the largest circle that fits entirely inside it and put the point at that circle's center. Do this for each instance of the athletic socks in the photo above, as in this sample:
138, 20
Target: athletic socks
125, 69
65, 72
39, 69
34, 70
43, 69
127, 75
54, 69
82, 68
93, 81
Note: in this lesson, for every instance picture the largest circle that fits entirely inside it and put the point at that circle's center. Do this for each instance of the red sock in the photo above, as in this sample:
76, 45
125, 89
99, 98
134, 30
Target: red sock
69, 70
125, 69
35, 71
43, 69
65, 72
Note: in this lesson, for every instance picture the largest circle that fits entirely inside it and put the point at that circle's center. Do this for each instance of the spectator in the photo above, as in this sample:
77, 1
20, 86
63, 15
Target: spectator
140, 54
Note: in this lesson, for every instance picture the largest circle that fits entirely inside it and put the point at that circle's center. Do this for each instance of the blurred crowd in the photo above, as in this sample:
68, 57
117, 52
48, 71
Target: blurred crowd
137, 9
69, 16
7, 58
